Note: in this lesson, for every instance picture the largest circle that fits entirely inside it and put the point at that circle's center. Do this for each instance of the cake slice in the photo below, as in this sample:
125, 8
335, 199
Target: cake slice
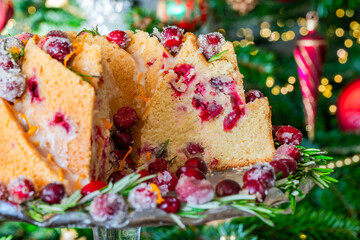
18, 155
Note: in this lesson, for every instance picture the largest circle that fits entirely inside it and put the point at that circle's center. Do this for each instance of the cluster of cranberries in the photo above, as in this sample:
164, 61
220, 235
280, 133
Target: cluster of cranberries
119, 37
57, 44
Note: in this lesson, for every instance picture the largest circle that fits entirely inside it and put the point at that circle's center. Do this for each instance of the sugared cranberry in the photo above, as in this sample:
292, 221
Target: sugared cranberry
57, 33
194, 191
170, 204
211, 111
118, 156
109, 207
263, 173
227, 187
58, 48
166, 181
116, 176
257, 188
4, 194
42, 42
290, 163
194, 148
6, 62
25, 36
119, 37
182, 169
144, 173
285, 151
171, 37
122, 140
21, 190
9, 42
197, 163
158, 165
288, 135
252, 95
92, 187
53, 193
12, 85
193, 172
274, 129
280, 166
125, 118
210, 44
143, 197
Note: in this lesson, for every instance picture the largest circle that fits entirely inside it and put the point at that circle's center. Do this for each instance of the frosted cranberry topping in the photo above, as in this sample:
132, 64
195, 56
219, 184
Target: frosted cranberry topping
263, 173
232, 118
42, 42
170, 204
185, 75
274, 129
21, 190
183, 169
285, 151
210, 44
4, 194
197, 163
252, 95
6, 62
193, 172
53, 193
119, 37
116, 176
288, 135
171, 37
92, 187
194, 149
290, 163
227, 187
158, 165
257, 188
57, 48
25, 36
280, 167
34, 89
57, 33
142, 197
166, 181
109, 207
59, 119
125, 118
194, 191
12, 84
122, 140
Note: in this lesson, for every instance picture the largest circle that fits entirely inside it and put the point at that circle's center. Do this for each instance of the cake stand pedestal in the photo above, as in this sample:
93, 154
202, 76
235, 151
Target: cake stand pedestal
113, 234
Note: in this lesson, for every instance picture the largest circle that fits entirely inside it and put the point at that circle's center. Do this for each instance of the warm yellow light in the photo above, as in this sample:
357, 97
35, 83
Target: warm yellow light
324, 81
338, 78
328, 87
254, 52
327, 94
284, 90
243, 43
347, 161
280, 23
301, 21
303, 31
341, 53
222, 31
283, 37
275, 90
270, 82
342, 60
240, 32
356, 33
332, 109
354, 25
236, 43
290, 88
356, 158
290, 35
248, 32
31, 10
275, 36
331, 165
265, 32
321, 88
340, 13
265, 25
302, 236
349, 13
291, 79
339, 32
348, 43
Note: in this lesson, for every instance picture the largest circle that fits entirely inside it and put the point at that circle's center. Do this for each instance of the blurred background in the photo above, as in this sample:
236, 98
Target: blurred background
311, 76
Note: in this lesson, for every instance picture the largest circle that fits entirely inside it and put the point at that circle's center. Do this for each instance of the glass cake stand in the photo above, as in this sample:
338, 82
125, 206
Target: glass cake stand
113, 234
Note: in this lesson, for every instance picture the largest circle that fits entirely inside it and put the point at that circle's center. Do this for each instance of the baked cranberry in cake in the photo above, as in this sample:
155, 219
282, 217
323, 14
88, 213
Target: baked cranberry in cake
116, 176
166, 181
257, 188
288, 135
185, 75
119, 37
59, 119
210, 44
122, 140
194, 149
211, 111
170, 204
252, 95
194, 191
34, 89
21, 190
232, 118
280, 167
197, 163
193, 172
52, 193
171, 38
143, 197
158, 165
125, 118
263, 173
92, 187
285, 151
221, 83
4, 194
227, 187
109, 207
57, 48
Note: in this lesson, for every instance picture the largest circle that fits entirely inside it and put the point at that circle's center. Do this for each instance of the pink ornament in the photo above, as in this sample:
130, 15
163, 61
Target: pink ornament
309, 55
6, 12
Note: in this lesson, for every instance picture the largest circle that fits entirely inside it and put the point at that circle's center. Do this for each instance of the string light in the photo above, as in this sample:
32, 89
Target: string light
275, 90
265, 25
290, 88
265, 32
291, 79
275, 36
340, 13
321, 88
31, 10
283, 37
348, 43
301, 21
270, 82
338, 78
324, 81
303, 31
284, 91
290, 35
280, 23
339, 32
302, 236
341, 53
332, 109
349, 13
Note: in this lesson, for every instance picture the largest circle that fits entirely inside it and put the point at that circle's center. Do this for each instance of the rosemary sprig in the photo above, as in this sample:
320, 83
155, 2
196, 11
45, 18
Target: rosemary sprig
81, 74
217, 56
7, 237
93, 31
163, 148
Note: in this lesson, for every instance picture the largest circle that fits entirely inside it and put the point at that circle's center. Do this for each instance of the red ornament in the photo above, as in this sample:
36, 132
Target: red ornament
348, 107
6, 12
309, 53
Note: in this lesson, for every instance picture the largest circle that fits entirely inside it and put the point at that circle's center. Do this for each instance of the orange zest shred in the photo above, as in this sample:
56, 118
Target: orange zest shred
78, 48
143, 98
36, 144
123, 160
148, 156
36, 38
77, 184
108, 124
142, 95
61, 175
156, 189
32, 129
14, 50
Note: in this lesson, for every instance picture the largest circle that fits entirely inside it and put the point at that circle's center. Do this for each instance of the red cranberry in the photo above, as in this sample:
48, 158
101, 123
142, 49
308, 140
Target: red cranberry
182, 169
53, 193
118, 156
25, 36
4, 194
58, 48
171, 37
232, 118
288, 135
6, 62
256, 187
144, 173
119, 37
197, 163
252, 95
210, 44
274, 129
92, 187
21, 190
290, 163
143, 197
193, 172
280, 166
109, 207
166, 181
12, 85
34, 89
57, 33
116, 176
227, 187
170, 204
285, 151
194, 191
194, 148
158, 165
59, 119
125, 118
42, 42
221, 82
211, 111
122, 140
262, 173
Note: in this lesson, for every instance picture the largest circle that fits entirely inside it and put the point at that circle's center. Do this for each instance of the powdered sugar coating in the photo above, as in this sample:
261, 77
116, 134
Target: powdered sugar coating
166, 181
171, 37
194, 191
7, 62
287, 151
210, 44
261, 172
7, 43
288, 135
58, 48
109, 207
12, 84
142, 197
21, 190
